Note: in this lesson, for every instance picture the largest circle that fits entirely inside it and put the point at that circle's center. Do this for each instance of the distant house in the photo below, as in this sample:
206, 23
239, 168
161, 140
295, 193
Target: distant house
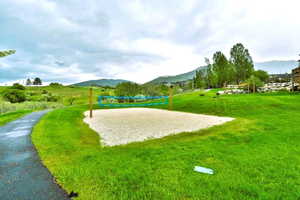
296, 75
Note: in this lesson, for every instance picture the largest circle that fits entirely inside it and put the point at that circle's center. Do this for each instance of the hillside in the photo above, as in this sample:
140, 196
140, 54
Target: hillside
272, 67
176, 78
101, 82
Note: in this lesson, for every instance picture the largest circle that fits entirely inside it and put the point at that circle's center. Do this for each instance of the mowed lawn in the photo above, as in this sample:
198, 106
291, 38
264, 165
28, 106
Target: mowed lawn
8, 117
257, 156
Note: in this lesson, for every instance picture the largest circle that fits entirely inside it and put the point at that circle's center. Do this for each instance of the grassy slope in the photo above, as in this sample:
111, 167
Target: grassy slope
8, 117
80, 93
254, 157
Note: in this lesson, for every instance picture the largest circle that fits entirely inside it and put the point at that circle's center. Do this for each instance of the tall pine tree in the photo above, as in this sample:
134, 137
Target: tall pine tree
28, 82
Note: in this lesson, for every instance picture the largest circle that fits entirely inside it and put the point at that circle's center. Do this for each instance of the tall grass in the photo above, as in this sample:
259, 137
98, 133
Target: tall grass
6, 107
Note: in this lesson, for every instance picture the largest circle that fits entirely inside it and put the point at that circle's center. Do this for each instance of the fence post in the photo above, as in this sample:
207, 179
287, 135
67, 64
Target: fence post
171, 97
91, 102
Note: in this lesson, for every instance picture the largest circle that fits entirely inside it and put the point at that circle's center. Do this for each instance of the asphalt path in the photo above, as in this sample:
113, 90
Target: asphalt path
22, 175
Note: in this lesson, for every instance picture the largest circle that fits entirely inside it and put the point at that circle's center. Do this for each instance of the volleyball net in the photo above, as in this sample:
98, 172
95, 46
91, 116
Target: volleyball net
132, 101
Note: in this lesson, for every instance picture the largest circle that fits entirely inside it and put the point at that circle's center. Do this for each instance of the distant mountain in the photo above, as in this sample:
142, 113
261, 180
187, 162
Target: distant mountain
101, 82
272, 67
277, 66
176, 78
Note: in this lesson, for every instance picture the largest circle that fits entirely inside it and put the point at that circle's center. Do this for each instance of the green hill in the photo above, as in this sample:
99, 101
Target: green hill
176, 78
101, 82
272, 67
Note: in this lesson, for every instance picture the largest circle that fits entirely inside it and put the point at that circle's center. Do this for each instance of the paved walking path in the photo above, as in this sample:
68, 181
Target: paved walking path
22, 175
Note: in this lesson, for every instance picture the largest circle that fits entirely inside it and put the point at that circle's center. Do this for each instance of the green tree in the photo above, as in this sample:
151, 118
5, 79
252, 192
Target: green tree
262, 75
37, 81
253, 83
199, 79
242, 62
127, 89
150, 90
6, 53
210, 78
164, 89
28, 82
222, 68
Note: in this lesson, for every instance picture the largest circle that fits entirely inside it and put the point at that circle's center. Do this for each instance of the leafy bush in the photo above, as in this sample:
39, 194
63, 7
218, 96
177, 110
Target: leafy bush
55, 85
17, 86
14, 95
44, 92
50, 98
31, 93
71, 100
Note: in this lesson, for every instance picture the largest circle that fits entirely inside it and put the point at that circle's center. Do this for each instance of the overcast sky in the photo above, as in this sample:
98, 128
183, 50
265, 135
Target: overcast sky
75, 40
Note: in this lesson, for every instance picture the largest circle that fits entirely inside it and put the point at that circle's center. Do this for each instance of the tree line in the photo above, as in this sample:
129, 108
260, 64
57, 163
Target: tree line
36, 81
133, 89
239, 68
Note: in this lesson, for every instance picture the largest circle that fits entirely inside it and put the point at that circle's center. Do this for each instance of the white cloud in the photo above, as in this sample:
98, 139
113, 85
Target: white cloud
70, 41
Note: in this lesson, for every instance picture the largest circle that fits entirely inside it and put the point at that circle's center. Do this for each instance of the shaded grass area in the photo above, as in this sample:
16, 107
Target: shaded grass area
254, 157
8, 117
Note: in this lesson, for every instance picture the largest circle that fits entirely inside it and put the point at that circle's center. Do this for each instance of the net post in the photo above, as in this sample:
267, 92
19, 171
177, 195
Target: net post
171, 97
91, 102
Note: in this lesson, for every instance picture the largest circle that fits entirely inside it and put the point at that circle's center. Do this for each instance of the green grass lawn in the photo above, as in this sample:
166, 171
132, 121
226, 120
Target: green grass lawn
10, 112
254, 157
8, 117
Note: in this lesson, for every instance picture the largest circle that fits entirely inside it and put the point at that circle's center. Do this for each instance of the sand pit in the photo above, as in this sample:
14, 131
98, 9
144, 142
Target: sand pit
126, 125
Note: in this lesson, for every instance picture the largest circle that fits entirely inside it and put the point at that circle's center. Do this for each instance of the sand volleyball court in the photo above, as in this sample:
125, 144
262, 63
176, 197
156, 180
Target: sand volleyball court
126, 125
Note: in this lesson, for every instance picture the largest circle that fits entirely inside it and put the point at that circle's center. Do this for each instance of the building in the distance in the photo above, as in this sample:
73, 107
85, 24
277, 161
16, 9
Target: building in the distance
296, 74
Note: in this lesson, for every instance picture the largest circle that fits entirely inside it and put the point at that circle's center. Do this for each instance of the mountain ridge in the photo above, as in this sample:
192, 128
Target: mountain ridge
101, 82
272, 67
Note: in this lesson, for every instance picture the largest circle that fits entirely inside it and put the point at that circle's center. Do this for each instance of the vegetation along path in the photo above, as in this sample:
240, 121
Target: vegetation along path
22, 175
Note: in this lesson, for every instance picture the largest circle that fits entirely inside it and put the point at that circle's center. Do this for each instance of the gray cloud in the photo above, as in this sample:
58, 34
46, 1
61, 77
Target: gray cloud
72, 40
